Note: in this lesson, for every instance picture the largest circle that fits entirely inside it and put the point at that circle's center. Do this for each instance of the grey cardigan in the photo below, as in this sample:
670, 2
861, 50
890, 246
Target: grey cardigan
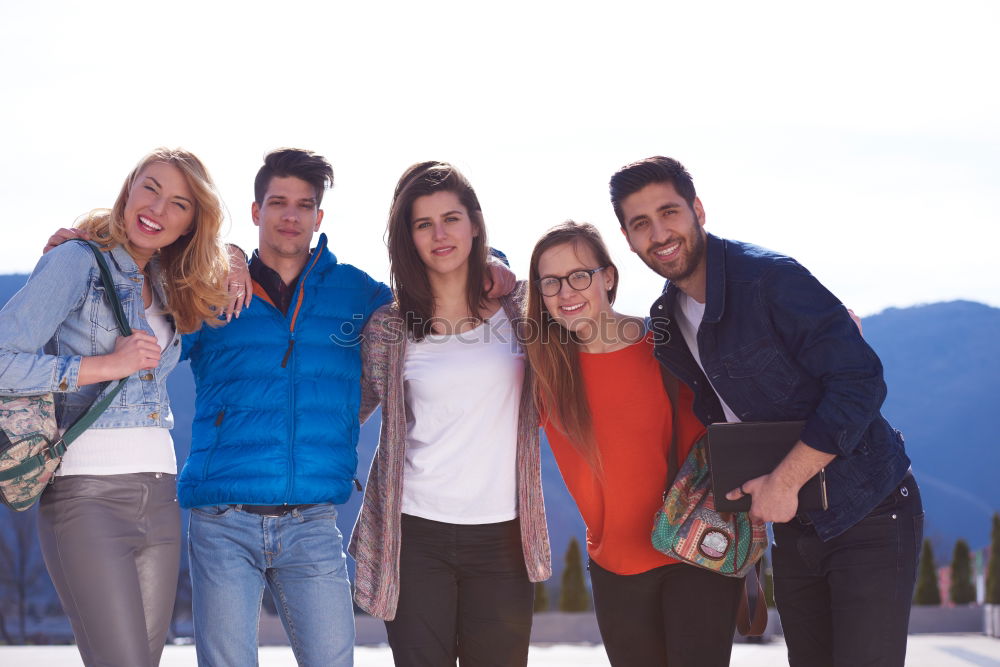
375, 541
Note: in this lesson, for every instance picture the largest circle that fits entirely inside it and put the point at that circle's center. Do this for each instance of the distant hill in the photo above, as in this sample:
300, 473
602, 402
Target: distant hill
942, 366
9, 284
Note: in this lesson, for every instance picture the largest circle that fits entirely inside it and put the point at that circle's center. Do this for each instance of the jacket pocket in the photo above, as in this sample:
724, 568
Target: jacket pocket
761, 371
220, 418
101, 314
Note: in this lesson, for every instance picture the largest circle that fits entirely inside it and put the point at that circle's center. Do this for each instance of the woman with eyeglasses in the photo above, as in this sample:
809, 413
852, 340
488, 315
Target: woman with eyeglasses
608, 420
452, 530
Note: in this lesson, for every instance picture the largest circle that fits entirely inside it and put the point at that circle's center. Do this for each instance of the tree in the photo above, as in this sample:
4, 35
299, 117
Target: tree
927, 592
961, 590
573, 595
541, 597
22, 571
993, 570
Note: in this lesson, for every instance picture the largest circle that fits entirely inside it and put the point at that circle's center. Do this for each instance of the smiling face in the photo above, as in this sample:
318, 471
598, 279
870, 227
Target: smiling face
666, 233
576, 310
442, 232
159, 210
287, 216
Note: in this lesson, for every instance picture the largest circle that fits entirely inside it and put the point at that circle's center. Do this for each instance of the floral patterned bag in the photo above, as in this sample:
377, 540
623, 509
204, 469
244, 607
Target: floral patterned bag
30, 446
689, 529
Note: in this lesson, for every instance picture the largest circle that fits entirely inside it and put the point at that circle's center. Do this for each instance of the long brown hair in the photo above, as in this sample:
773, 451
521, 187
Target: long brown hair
195, 266
554, 352
408, 273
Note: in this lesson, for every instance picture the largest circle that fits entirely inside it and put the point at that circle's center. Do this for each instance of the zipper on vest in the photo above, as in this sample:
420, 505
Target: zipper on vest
218, 418
300, 289
357, 485
291, 420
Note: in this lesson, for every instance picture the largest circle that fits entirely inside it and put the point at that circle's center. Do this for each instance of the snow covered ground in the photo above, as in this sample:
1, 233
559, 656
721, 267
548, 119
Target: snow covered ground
957, 650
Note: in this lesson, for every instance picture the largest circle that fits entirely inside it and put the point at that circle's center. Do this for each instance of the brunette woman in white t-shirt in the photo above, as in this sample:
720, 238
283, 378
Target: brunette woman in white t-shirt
452, 530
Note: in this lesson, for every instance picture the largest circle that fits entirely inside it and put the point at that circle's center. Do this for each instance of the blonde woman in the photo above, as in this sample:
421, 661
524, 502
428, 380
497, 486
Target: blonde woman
109, 523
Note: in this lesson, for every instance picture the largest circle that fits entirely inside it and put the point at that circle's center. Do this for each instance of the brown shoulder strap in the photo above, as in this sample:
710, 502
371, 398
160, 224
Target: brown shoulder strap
751, 616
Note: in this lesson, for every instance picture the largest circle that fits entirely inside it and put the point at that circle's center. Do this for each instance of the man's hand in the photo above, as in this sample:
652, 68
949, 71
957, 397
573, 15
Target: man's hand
776, 496
501, 280
771, 499
857, 321
238, 283
63, 235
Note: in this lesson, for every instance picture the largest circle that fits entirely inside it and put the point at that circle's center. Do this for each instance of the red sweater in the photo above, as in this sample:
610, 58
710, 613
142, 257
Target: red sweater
631, 418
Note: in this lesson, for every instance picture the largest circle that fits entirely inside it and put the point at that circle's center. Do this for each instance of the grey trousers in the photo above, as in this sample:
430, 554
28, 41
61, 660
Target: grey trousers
111, 544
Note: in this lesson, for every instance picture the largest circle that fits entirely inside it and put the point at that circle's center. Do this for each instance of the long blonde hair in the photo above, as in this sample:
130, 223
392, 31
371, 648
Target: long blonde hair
554, 352
195, 266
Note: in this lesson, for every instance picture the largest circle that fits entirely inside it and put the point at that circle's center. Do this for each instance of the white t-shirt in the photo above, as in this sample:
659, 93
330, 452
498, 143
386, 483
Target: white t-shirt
691, 314
463, 393
118, 451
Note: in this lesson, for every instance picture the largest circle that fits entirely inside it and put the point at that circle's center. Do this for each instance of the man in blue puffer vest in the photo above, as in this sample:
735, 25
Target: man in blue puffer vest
274, 442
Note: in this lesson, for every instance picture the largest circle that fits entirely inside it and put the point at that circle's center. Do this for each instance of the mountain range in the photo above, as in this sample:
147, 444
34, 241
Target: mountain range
942, 368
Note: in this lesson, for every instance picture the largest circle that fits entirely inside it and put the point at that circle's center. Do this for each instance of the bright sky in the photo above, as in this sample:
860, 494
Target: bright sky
861, 138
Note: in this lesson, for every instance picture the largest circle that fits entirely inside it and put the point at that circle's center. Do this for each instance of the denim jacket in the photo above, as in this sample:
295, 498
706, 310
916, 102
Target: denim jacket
779, 346
60, 316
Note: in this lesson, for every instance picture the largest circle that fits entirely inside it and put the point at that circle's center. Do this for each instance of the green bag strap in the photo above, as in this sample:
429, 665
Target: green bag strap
96, 410
58, 448
109, 289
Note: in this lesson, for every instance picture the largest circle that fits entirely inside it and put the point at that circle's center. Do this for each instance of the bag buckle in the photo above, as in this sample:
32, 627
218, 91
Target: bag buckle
51, 453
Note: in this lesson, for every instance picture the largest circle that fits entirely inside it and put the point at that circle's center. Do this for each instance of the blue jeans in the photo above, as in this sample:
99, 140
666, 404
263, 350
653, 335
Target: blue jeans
299, 556
846, 601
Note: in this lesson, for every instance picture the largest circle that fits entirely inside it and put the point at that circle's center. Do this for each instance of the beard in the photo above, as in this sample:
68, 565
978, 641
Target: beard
690, 256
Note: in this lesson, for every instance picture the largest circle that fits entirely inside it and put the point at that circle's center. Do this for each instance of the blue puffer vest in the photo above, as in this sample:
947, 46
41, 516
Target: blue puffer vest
276, 416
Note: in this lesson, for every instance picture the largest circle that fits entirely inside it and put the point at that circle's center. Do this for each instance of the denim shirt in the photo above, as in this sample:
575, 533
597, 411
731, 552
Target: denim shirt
779, 346
60, 316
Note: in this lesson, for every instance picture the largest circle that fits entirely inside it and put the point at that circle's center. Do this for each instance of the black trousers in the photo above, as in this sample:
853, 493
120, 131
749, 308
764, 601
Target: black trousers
463, 594
846, 602
679, 615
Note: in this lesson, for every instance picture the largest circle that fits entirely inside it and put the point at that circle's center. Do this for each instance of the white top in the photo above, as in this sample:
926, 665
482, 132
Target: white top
118, 451
691, 313
463, 392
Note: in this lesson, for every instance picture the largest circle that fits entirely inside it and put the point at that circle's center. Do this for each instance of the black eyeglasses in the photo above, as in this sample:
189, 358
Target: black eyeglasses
578, 280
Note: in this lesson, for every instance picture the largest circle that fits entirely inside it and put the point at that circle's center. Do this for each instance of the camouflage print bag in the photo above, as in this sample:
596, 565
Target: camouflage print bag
30, 446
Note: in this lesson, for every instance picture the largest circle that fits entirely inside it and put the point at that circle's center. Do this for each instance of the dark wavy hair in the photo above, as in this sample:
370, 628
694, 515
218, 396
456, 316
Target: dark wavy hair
657, 169
306, 165
408, 274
